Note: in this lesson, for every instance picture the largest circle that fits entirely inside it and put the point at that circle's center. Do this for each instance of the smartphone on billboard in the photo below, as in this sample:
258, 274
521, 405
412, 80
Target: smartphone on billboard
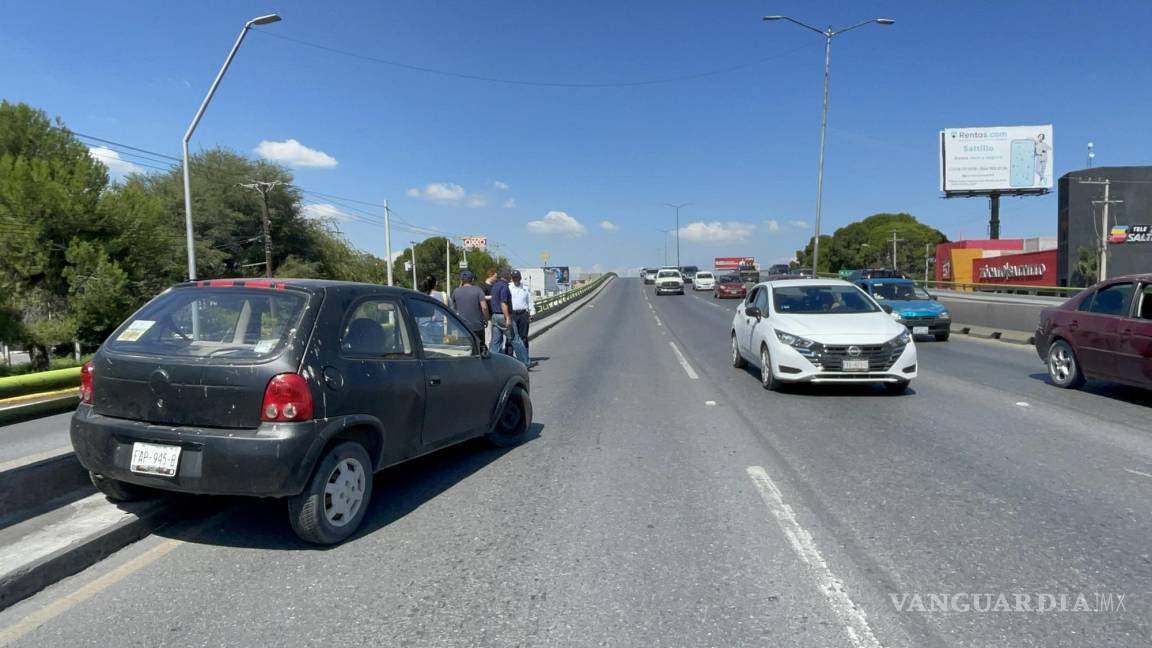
1022, 164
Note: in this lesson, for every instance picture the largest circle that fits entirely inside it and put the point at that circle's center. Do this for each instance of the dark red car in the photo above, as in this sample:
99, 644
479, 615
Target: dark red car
1104, 332
729, 286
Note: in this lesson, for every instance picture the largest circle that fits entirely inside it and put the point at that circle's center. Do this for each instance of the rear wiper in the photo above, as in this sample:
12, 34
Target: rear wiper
227, 350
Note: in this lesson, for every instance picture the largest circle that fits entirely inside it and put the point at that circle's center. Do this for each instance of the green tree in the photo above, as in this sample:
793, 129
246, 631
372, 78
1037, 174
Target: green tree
868, 243
430, 261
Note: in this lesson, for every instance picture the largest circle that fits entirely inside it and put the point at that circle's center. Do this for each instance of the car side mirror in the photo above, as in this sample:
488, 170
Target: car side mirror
753, 311
886, 308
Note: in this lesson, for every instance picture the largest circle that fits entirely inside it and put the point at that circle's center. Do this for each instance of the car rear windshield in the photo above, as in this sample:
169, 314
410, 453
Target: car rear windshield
730, 279
703, 275
234, 324
899, 291
820, 300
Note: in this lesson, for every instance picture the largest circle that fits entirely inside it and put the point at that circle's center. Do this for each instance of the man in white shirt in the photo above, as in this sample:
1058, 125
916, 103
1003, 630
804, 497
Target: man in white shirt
523, 308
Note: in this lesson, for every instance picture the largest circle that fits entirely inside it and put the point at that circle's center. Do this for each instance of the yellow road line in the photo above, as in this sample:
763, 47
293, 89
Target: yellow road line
16, 400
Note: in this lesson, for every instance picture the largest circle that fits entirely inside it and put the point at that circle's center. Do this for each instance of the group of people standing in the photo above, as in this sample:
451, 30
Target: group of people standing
501, 303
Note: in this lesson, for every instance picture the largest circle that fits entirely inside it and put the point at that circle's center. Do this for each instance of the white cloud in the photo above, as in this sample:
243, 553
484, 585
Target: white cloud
323, 211
773, 225
502, 186
717, 232
608, 226
448, 193
293, 154
799, 224
116, 166
510, 203
557, 222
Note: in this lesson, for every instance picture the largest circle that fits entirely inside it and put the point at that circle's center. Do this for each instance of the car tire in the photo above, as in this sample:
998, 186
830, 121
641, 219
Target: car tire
768, 379
515, 419
335, 501
116, 490
899, 387
738, 360
942, 337
1063, 366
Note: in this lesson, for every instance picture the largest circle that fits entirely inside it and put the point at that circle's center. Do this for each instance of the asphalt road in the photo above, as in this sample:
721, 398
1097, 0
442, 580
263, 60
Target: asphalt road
35, 437
654, 508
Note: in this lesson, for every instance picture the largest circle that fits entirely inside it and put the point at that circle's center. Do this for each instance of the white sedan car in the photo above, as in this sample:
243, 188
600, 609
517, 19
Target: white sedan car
821, 331
704, 281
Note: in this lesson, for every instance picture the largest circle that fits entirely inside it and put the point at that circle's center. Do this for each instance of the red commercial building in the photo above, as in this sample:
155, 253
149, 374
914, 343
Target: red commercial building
1017, 262
1024, 269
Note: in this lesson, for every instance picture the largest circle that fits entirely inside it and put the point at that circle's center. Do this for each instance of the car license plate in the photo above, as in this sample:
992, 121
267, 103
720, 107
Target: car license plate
919, 330
154, 459
855, 365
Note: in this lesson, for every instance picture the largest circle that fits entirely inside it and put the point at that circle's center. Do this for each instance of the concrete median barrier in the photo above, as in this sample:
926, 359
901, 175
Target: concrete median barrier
43, 381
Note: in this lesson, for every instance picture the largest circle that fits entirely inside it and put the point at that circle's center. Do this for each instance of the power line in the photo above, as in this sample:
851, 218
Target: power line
124, 146
524, 82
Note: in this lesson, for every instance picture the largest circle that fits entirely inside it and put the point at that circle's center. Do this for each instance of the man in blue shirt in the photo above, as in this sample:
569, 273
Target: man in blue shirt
502, 322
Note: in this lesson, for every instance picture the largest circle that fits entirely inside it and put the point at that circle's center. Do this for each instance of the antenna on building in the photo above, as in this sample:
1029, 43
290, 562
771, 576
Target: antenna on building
1091, 155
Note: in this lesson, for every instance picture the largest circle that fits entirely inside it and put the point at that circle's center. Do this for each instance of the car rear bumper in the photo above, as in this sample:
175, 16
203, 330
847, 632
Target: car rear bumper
935, 326
791, 366
273, 460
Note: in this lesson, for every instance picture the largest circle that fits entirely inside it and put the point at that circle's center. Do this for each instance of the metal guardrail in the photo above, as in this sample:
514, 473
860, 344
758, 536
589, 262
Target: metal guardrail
551, 303
1011, 289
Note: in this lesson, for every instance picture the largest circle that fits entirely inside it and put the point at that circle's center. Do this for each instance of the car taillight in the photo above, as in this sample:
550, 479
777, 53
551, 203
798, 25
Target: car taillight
86, 383
287, 398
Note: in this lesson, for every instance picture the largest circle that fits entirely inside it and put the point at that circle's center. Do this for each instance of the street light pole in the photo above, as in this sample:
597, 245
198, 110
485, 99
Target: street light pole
827, 34
677, 208
261, 20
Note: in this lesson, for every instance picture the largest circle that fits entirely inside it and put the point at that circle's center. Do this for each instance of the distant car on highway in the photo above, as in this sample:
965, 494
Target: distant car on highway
729, 286
911, 305
820, 331
1105, 332
704, 280
779, 269
299, 389
689, 273
650, 275
668, 280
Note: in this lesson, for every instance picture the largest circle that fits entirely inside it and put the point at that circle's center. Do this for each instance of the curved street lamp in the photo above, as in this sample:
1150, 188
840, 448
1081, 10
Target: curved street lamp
827, 34
260, 20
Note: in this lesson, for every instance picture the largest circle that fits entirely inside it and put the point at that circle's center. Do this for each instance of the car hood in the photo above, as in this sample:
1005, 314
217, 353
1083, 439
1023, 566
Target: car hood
861, 328
915, 306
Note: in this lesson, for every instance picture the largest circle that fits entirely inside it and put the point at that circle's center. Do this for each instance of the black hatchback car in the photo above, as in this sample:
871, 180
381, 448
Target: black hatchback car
297, 388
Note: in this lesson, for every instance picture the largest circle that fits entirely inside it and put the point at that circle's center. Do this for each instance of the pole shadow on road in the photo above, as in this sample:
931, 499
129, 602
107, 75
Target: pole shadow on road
399, 490
1130, 395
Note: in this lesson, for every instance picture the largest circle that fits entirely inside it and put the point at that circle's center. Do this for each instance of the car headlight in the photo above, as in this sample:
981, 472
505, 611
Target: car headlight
897, 316
903, 339
945, 315
795, 341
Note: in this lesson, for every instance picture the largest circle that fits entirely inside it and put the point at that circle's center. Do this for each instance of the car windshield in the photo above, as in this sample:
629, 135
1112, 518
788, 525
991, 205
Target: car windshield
899, 292
820, 300
669, 273
232, 324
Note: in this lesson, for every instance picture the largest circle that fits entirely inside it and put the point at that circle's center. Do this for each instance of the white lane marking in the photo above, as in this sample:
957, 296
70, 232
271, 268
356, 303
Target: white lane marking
683, 361
856, 623
1137, 472
658, 322
1022, 404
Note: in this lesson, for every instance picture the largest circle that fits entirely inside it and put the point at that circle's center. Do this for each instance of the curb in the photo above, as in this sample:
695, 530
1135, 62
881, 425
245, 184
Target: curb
984, 333
35, 409
552, 320
28, 579
52, 477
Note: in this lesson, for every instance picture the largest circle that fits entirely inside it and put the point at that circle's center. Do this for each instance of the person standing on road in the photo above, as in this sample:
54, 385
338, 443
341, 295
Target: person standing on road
428, 287
502, 324
469, 303
523, 308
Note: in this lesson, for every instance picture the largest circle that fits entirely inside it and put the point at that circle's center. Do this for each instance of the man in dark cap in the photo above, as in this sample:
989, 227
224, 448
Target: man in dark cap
502, 324
469, 303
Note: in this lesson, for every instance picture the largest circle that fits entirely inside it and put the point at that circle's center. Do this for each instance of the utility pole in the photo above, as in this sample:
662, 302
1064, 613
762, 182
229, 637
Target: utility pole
1102, 270
927, 246
894, 242
388, 240
414, 266
447, 266
677, 208
264, 188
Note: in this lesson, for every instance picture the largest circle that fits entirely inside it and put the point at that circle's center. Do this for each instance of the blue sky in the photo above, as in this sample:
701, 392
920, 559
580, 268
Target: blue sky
741, 145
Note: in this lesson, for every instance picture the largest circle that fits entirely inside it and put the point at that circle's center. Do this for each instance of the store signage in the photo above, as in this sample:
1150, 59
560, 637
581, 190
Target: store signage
1130, 234
1013, 271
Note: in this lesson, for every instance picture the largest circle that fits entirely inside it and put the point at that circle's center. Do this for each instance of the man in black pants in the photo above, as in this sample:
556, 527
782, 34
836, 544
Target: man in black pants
523, 309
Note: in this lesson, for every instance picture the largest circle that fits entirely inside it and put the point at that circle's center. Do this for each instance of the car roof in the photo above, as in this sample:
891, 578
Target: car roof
307, 285
792, 283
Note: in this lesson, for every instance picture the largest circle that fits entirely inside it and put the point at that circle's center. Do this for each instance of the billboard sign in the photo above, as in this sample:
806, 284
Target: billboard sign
732, 263
1003, 159
559, 273
475, 243
1130, 234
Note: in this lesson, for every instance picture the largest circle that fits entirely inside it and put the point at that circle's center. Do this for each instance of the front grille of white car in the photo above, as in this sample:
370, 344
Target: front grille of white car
880, 357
